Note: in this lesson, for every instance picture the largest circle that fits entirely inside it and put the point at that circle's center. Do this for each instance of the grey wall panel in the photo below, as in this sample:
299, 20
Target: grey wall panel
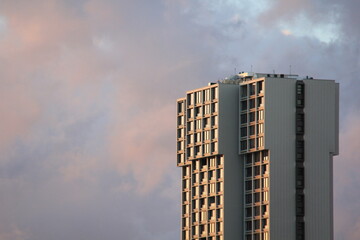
321, 140
280, 140
233, 168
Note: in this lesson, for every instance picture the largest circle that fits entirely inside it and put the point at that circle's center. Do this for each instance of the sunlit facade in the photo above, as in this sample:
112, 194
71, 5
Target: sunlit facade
256, 156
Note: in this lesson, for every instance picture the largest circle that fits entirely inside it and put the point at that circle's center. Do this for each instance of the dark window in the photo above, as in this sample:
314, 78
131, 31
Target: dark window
256, 170
244, 91
243, 145
252, 143
252, 103
256, 197
300, 230
257, 225
248, 185
300, 204
252, 89
257, 184
243, 105
248, 225
248, 212
252, 117
243, 131
248, 198
248, 172
252, 130
257, 211
300, 177
243, 118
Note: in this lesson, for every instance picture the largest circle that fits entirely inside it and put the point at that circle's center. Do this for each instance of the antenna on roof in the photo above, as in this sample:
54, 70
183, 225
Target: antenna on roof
273, 71
235, 71
251, 68
290, 69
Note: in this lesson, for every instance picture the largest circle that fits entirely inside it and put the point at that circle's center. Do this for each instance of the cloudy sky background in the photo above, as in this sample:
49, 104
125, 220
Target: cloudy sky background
87, 103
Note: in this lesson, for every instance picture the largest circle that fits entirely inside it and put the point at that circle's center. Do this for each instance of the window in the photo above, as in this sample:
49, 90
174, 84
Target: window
257, 211
212, 188
265, 182
197, 111
264, 169
260, 102
243, 145
260, 142
252, 116
244, 105
256, 197
206, 135
214, 107
300, 204
264, 209
198, 97
257, 184
265, 196
180, 146
300, 177
248, 212
265, 223
260, 87
198, 137
261, 115
206, 122
180, 133
252, 103
181, 120
252, 89
243, 118
257, 225
300, 123
220, 173
197, 150
257, 170
198, 124
191, 152
207, 95
248, 225
214, 120
248, 185
244, 90
220, 199
214, 133
190, 99
243, 131
190, 126
220, 186
206, 148
248, 198
252, 143
180, 107
207, 109
248, 172
252, 130
260, 128
212, 227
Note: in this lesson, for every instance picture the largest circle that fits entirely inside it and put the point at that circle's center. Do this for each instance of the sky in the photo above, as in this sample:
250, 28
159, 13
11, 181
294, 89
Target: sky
87, 103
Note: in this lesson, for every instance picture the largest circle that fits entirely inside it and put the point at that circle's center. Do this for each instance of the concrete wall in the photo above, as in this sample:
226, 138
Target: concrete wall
321, 140
233, 168
280, 140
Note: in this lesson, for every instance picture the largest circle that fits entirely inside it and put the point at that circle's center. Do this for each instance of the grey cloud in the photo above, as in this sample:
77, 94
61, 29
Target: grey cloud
95, 159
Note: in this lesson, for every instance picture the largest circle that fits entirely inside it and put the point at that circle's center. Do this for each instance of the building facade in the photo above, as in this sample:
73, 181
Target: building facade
256, 154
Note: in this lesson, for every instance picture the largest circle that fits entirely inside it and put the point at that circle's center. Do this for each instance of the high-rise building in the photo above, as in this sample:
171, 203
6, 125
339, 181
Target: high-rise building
256, 153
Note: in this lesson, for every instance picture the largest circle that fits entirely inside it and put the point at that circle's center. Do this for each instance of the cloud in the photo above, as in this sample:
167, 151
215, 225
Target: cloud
88, 93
